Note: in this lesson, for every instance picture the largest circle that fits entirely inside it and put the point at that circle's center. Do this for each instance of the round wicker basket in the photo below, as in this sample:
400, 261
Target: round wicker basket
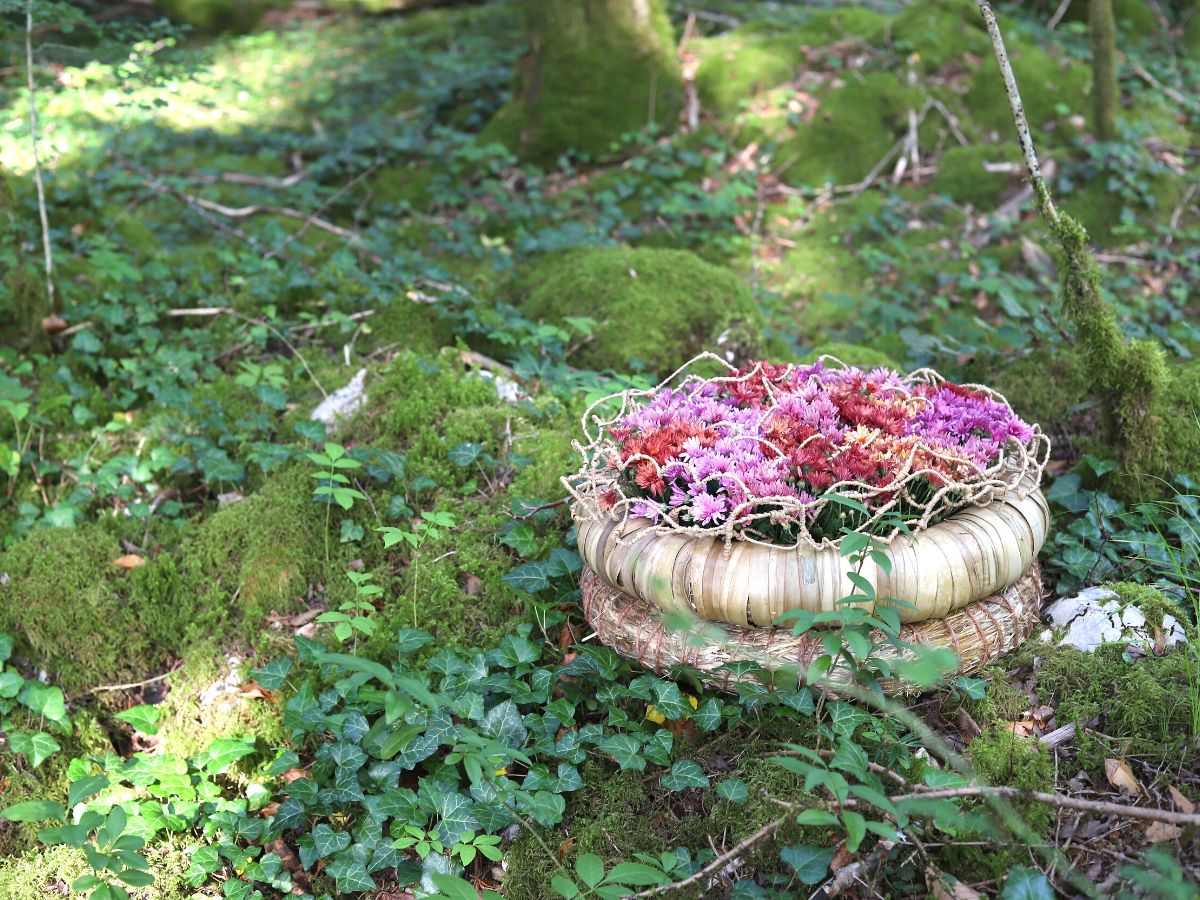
635, 628
975, 552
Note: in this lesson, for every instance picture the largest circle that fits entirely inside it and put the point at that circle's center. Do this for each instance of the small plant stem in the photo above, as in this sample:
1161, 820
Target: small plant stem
37, 164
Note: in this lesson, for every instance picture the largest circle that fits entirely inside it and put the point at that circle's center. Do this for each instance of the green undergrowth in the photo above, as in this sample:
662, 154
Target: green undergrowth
48, 872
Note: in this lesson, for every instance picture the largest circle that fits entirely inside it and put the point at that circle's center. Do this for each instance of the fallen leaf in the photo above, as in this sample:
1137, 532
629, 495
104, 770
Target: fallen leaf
252, 690
293, 774
1121, 776
128, 561
967, 725
1161, 831
942, 889
1182, 803
565, 847
841, 858
654, 715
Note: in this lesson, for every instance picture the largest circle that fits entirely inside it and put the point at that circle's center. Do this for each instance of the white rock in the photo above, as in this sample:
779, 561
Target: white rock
1096, 616
342, 403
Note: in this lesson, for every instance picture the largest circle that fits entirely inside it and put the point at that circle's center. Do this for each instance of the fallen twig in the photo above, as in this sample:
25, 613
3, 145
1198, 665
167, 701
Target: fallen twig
37, 163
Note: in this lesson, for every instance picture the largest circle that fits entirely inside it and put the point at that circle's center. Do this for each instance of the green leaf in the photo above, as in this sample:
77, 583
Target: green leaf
684, 774
626, 750
205, 860
37, 747
816, 817
34, 811
503, 723
809, 863
856, 828
85, 788
522, 538
143, 718
590, 869
453, 887
734, 790
463, 455
632, 873
1024, 883
223, 753
564, 887
273, 675
529, 577
6, 647
326, 841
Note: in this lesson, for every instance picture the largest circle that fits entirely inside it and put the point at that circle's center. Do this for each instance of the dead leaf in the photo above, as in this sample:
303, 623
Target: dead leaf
841, 858
128, 561
1182, 803
1121, 776
943, 889
565, 847
1161, 831
252, 690
293, 774
472, 585
967, 725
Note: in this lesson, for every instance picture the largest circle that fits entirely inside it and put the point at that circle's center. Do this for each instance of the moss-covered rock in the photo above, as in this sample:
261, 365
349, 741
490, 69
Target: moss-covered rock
962, 177
656, 308
218, 15
941, 32
596, 70
851, 131
259, 554
87, 621
851, 355
1052, 87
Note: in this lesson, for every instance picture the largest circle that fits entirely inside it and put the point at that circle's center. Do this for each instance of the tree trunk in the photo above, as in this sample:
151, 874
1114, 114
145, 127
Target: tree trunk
1105, 94
595, 70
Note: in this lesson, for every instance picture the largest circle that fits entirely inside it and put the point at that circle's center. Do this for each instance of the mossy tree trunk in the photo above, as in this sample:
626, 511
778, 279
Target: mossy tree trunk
595, 70
1105, 94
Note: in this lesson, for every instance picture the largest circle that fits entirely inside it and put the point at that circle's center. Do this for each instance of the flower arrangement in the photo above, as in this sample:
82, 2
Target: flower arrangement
781, 454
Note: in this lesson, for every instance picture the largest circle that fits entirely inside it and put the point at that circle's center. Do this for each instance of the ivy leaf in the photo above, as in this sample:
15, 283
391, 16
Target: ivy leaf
522, 538
327, 842
545, 808
454, 811
205, 860
503, 723
463, 455
350, 873
708, 715
734, 790
683, 775
529, 577
626, 750
84, 788
143, 718
274, 673
1024, 883
810, 863
47, 701
37, 747
223, 753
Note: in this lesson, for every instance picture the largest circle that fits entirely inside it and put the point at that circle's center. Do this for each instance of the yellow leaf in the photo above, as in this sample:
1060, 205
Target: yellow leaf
1121, 776
128, 561
692, 700
501, 771
654, 715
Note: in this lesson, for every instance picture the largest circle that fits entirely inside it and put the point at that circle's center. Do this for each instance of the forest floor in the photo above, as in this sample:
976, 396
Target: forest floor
243, 225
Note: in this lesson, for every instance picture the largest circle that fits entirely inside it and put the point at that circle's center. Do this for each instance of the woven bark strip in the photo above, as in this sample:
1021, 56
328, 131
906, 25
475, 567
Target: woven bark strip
972, 554
979, 633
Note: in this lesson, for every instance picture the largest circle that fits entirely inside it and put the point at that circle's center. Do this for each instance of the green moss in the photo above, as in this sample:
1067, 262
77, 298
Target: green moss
204, 703
851, 355
1106, 96
656, 307
218, 15
736, 66
1042, 386
1047, 81
1143, 704
87, 621
1003, 701
852, 129
596, 70
410, 325
1137, 19
941, 32
48, 872
259, 554
962, 177
48, 781
1153, 603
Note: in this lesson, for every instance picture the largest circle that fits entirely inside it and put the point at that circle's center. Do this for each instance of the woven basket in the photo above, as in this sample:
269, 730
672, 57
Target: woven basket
979, 633
975, 552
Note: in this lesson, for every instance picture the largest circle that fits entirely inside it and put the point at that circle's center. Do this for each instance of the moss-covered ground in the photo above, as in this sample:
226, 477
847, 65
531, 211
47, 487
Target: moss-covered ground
851, 188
